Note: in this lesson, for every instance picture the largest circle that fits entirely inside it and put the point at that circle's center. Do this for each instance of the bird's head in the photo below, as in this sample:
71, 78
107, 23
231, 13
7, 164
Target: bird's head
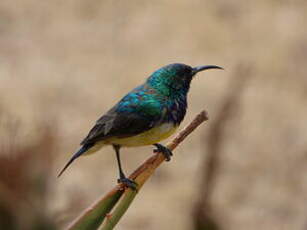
176, 77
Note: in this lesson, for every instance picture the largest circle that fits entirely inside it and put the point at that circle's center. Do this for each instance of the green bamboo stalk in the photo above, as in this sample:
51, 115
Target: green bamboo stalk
120, 210
92, 217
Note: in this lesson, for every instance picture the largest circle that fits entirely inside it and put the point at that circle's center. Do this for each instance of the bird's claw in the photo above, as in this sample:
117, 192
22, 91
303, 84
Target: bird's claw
128, 183
164, 150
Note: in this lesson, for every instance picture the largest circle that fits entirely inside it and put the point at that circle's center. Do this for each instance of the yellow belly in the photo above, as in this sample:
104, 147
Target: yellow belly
149, 137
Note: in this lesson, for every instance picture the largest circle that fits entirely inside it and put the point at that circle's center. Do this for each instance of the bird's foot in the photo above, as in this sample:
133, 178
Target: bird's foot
127, 182
164, 150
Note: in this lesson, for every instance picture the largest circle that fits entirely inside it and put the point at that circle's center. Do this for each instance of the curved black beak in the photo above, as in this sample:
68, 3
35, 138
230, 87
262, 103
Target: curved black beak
204, 67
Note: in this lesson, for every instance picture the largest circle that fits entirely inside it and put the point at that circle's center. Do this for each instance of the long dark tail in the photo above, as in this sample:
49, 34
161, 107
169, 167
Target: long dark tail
82, 150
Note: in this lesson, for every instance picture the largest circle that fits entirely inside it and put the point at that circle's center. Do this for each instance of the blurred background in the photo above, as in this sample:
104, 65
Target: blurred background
65, 63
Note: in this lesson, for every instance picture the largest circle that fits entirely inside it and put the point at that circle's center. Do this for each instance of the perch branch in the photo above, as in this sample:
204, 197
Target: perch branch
93, 216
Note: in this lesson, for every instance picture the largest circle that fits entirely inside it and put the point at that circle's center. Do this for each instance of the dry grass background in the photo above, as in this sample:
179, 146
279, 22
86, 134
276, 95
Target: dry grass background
64, 63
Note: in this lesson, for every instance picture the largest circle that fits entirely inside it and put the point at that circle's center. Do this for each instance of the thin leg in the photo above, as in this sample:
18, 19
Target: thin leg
122, 178
166, 152
121, 173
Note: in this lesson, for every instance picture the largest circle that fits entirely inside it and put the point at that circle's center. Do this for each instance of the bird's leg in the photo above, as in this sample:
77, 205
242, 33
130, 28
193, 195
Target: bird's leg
122, 178
166, 151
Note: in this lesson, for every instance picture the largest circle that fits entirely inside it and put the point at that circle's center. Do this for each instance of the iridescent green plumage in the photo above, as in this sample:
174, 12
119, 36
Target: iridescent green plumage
145, 115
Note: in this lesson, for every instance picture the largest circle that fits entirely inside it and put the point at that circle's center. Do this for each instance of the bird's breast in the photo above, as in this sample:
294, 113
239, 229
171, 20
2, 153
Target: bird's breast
154, 135
176, 110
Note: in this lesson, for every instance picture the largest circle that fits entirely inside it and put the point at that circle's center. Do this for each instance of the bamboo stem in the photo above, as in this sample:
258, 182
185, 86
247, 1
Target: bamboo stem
94, 215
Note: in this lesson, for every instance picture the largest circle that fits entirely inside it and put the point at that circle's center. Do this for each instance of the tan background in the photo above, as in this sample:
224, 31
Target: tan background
64, 63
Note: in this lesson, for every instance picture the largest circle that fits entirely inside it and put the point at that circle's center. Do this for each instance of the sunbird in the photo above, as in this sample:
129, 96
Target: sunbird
146, 115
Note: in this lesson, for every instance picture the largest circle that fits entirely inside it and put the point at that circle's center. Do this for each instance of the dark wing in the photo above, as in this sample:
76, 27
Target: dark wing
117, 124
135, 113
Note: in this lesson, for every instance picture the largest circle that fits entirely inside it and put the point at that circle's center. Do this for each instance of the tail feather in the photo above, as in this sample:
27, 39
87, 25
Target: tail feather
82, 150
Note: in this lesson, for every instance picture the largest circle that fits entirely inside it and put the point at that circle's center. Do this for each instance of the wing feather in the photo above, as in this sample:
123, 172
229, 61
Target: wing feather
119, 125
137, 112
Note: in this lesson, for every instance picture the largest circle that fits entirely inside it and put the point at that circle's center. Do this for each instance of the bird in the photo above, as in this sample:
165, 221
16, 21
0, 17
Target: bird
146, 115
